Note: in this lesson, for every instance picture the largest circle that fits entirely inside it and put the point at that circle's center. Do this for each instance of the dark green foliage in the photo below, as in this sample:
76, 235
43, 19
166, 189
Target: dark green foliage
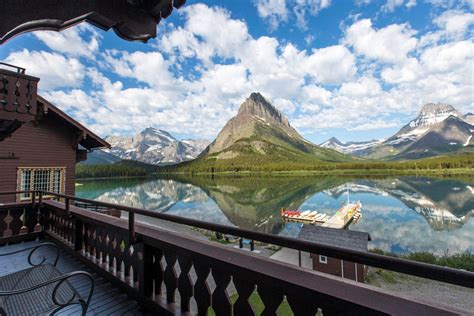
278, 162
124, 168
463, 261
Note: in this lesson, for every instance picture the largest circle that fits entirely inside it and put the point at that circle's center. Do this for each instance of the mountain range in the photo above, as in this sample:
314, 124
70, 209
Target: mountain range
261, 133
438, 129
152, 146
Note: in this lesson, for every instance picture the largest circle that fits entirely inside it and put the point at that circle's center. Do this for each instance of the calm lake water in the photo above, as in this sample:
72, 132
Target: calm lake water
402, 214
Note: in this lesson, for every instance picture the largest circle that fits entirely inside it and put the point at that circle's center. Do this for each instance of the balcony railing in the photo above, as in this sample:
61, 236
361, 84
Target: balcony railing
170, 272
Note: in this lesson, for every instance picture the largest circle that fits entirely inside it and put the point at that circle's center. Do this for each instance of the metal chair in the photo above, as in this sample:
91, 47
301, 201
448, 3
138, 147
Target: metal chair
41, 289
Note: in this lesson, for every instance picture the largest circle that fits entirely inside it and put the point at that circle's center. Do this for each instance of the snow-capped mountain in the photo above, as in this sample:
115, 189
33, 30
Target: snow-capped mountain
438, 129
353, 148
155, 146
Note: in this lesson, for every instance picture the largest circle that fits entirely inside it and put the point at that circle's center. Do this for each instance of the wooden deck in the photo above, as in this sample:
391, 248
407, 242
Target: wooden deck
106, 300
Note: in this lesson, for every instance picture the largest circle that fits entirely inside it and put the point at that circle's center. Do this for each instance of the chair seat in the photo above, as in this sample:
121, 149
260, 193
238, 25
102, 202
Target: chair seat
35, 302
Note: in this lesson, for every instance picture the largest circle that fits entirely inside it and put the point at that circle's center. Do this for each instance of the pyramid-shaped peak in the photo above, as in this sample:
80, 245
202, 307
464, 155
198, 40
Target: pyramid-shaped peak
257, 97
257, 105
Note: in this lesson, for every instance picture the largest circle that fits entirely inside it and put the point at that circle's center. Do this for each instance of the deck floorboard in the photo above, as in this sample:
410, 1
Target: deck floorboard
106, 300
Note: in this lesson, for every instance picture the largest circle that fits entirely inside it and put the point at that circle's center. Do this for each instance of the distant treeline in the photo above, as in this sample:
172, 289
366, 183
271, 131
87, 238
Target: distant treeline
134, 168
248, 165
125, 168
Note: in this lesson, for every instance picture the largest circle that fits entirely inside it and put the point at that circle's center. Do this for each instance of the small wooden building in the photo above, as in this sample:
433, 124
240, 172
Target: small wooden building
343, 238
42, 154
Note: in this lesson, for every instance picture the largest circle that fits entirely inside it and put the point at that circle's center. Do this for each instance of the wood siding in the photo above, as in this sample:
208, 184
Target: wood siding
49, 144
336, 266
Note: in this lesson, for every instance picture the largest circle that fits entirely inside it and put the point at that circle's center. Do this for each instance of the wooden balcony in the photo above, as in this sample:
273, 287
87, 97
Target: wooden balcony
169, 273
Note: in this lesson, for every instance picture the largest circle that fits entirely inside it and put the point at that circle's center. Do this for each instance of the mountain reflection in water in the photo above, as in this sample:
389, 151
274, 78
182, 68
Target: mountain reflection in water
402, 214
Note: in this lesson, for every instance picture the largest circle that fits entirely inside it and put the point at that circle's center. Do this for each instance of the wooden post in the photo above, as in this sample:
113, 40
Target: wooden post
78, 234
145, 270
131, 228
67, 206
33, 199
40, 199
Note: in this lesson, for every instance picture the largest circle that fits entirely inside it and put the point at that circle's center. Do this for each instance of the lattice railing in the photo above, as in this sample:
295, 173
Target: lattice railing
170, 272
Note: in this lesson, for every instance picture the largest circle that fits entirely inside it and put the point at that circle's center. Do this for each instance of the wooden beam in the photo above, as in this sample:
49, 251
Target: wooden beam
132, 20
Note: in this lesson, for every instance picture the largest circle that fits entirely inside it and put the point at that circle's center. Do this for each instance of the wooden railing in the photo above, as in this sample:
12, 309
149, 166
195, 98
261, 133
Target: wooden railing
173, 273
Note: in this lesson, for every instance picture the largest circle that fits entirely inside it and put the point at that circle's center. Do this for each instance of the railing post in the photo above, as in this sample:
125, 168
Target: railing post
131, 228
78, 234
33, 199
40, 199
67, 206
145, 271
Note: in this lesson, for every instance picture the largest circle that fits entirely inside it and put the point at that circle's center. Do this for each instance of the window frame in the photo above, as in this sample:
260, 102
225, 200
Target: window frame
323, 259
47, 176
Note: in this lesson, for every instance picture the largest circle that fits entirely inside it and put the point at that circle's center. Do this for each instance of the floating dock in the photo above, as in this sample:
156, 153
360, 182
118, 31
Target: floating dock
347, 214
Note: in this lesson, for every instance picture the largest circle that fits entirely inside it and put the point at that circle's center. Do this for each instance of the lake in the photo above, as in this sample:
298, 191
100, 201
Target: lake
402, 214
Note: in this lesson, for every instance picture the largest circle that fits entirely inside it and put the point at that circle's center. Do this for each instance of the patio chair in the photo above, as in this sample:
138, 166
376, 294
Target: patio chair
41, 289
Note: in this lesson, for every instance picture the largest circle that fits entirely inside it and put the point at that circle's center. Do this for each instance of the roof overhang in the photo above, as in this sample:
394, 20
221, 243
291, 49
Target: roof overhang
85, 137
133, 20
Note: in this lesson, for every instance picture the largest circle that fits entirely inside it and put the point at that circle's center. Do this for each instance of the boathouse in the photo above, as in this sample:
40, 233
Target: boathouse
342, 238
42, 154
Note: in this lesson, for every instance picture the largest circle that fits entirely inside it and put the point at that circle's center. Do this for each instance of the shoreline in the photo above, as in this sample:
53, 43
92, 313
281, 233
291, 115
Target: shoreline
336, 172
342, 172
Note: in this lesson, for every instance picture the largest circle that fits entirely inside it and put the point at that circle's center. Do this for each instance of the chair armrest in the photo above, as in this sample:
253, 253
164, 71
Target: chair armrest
33, 249
61, 279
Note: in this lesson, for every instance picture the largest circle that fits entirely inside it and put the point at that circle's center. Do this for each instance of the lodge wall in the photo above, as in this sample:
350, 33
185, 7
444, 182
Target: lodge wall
341, 268
49, 144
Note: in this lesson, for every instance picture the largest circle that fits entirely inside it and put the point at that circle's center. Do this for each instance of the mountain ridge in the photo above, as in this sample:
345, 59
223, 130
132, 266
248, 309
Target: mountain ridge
152, 146
437, 124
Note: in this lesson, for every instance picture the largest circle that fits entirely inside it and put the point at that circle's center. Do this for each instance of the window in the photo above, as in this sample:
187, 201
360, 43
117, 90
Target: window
323, 259
44, 179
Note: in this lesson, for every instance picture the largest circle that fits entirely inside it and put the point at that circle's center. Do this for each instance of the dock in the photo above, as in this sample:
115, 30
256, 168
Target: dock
344, 216
341, 219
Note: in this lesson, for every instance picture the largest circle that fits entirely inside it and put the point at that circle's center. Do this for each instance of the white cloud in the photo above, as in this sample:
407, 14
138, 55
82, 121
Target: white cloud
331, 65
54, 70
455, 22
390, 44
363, 87
72, 41
373, 125
302, 8
391, 5
274, 11
193, 81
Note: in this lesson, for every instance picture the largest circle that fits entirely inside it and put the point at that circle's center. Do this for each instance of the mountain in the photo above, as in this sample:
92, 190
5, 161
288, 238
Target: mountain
469, 117
353, 148
154, 146
260, 133
438, 129
100, 157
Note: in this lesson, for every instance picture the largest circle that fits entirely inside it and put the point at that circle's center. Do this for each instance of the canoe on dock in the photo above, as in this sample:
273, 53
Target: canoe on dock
348, 213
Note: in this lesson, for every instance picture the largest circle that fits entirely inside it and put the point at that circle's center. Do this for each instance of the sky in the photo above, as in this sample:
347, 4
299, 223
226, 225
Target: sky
357, 70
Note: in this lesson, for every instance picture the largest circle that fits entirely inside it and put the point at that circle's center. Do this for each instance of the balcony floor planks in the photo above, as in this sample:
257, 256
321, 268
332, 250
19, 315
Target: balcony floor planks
106, 299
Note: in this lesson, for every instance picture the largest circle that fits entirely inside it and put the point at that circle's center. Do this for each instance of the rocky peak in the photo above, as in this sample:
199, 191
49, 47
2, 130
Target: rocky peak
433, 113
257, 105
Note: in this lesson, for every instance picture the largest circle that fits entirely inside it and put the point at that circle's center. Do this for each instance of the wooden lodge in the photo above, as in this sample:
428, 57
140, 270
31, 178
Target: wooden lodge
42, 154
348, 239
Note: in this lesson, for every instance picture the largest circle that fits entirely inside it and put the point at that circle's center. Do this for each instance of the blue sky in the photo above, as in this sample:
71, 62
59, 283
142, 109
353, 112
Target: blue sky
356, 70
